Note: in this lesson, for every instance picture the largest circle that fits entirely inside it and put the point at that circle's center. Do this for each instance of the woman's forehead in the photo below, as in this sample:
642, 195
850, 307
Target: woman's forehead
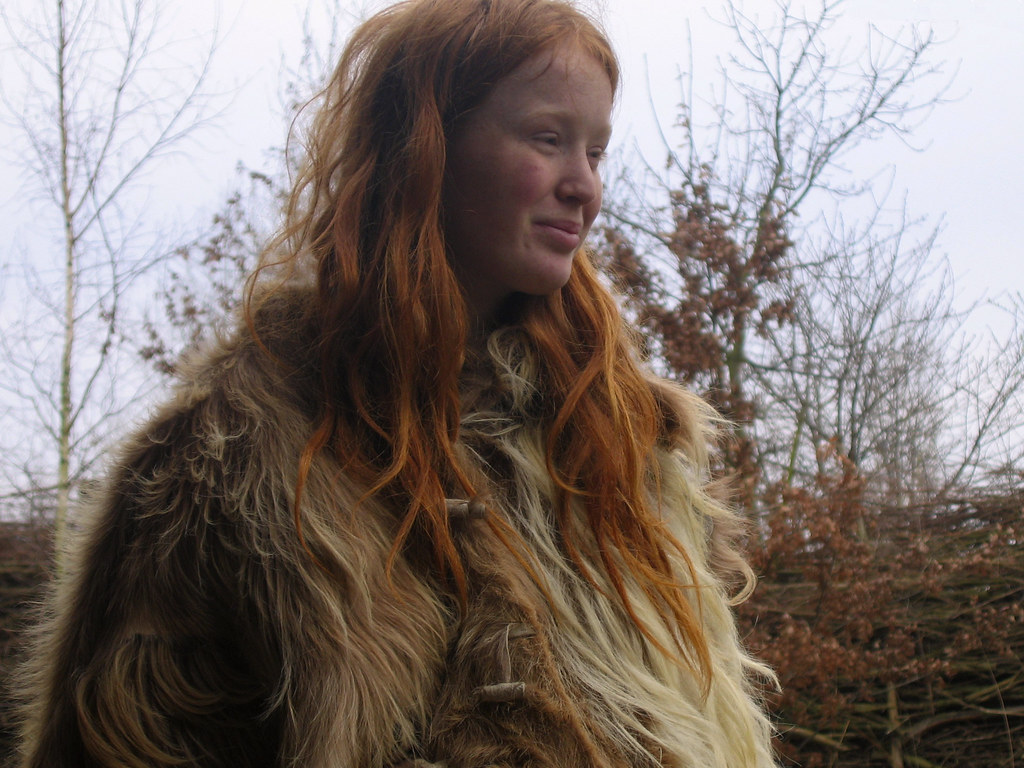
564, 80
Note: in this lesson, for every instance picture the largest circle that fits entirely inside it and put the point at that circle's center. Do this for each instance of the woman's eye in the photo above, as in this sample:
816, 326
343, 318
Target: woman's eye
550, 139
597, 154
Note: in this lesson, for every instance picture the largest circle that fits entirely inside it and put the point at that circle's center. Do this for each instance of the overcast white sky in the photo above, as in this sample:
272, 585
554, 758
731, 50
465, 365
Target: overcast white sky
970, 172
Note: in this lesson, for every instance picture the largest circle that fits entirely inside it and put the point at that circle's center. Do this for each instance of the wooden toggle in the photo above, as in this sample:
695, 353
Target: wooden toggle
460, 509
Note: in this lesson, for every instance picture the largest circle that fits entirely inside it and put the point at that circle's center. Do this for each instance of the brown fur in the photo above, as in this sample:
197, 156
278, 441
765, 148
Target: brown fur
192, 628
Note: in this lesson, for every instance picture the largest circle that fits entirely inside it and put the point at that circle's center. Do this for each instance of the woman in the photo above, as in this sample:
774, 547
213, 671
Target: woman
423, 506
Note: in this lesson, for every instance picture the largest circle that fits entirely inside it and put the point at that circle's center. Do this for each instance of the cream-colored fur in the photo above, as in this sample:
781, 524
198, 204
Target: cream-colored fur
192, 628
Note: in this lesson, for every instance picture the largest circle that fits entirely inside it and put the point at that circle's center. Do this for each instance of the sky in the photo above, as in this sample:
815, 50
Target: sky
964, 171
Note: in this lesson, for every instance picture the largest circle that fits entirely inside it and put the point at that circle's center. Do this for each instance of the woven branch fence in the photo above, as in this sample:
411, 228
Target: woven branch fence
898, 634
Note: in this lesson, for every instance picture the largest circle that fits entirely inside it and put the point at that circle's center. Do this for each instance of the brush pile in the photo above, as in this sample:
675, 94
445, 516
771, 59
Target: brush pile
897, 632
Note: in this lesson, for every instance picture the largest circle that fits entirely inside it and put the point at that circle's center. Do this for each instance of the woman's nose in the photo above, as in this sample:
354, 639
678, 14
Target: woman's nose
580, 180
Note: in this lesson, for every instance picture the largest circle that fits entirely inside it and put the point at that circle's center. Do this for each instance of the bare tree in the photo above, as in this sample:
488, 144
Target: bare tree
988, 414
744, 295
205, 276
863, 367
103, 96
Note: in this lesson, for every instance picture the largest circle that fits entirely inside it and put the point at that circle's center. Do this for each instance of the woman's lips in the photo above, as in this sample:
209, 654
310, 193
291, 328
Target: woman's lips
563, 234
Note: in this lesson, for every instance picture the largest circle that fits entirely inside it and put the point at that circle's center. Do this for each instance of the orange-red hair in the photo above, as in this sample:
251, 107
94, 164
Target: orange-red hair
367, 212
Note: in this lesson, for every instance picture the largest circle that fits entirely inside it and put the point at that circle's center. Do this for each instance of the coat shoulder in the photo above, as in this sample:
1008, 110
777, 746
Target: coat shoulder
191, 619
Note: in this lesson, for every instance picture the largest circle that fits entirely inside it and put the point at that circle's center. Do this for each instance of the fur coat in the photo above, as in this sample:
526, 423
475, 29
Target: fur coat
190, 626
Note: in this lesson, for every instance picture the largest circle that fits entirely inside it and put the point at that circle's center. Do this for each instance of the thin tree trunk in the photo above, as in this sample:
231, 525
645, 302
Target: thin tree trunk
64, 433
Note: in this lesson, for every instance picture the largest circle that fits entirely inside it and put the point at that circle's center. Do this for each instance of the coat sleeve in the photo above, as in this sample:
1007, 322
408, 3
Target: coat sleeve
192, 627
151, 654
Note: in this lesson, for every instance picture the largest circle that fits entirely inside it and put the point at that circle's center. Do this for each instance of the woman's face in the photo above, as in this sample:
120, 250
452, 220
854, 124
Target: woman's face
523, 184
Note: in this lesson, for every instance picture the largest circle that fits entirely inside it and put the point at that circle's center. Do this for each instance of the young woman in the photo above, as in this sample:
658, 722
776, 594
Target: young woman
424, 506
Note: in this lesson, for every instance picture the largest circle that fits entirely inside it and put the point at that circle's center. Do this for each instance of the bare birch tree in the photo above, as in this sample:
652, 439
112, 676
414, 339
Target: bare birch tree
99, 94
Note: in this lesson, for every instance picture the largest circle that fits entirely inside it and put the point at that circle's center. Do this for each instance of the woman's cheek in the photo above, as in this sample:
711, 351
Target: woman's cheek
531, 181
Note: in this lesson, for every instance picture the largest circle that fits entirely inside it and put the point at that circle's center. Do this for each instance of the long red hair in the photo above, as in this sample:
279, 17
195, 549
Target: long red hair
366, 211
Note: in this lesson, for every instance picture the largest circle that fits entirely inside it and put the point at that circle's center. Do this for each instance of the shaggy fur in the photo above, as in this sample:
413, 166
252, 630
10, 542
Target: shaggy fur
192, 628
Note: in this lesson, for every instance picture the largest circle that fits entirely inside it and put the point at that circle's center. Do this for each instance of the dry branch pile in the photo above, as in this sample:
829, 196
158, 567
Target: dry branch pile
898, 633
24, 560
